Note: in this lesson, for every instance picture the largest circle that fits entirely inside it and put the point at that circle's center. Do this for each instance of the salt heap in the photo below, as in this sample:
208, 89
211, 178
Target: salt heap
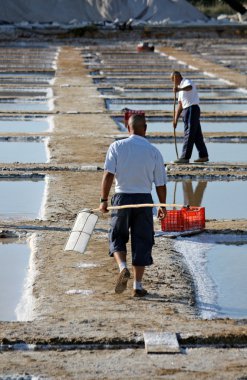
64, 11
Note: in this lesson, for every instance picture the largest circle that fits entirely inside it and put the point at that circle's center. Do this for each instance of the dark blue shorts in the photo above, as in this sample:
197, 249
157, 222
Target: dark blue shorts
135, 221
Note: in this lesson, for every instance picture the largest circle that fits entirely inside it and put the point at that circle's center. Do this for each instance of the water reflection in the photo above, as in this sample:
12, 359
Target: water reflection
218, 151
194, 196
209, 194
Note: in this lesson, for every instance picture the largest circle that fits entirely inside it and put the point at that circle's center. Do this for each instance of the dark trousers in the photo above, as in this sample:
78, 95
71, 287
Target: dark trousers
135, 221
193, 133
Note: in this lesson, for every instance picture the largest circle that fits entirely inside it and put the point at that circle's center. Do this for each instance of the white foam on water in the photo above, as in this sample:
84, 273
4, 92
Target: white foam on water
194, 252
192, 67
54, 62
26, 306
50, 104
242, 90
50, 129
42, 210
49, 93
209, 74
47, 150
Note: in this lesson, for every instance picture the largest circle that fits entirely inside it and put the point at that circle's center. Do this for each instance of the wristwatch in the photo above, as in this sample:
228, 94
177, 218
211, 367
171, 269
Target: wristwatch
102, 200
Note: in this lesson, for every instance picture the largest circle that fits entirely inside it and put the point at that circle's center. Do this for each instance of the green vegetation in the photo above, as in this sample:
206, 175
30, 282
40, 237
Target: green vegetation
214, 8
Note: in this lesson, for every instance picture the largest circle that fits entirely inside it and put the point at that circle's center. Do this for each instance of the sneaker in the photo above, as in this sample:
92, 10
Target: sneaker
122, 280
202, 159
181, 161
139, 292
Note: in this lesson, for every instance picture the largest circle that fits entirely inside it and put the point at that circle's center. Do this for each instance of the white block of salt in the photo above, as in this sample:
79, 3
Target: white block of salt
161, 342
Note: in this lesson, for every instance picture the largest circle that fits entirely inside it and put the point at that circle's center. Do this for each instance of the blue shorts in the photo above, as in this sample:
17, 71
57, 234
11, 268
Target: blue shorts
136, 221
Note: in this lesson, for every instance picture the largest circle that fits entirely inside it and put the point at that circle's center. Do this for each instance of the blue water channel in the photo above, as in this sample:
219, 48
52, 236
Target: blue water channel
25, 124
25, 106
21, 199
218, 265
14, 261
23, 151
137, 72
159, 80
159, 105
218, 151
165, 125
166, 93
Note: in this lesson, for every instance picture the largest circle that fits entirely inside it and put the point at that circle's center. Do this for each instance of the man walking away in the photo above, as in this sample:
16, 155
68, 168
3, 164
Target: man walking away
136, 165
188, 105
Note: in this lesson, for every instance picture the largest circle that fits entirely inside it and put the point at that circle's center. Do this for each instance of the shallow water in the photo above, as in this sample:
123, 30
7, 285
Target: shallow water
218, 265
227, 265
26, 92
21, 198
164, 81
26, 81
28, 106
14, 259
24, 152
166, 93
218, 152
139, 72
207, 126
152, 105
209, 194
43, 74
25, 124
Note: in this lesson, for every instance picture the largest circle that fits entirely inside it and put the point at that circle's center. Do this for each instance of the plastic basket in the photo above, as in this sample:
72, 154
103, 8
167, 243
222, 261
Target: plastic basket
185, 219
129, 113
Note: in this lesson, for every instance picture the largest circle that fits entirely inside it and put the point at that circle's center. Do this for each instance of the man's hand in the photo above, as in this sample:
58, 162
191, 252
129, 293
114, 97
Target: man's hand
161, 213
175, 124
103, 207
176, 89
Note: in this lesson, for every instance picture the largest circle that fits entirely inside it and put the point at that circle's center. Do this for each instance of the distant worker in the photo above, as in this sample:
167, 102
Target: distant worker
136, 165
188, 105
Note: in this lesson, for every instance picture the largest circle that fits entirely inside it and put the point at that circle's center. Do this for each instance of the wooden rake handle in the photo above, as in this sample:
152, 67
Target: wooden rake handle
141, 205
174, 130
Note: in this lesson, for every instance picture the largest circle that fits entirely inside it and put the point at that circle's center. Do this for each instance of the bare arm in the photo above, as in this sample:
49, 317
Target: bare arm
186, 88
106, 185
161, 192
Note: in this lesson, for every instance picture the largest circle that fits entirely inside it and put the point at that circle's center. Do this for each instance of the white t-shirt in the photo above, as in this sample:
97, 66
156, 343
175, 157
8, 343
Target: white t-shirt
136, 165
188, 98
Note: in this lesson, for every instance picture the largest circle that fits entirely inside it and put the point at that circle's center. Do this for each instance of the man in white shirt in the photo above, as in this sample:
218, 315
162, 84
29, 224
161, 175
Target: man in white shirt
188, 105
136, 165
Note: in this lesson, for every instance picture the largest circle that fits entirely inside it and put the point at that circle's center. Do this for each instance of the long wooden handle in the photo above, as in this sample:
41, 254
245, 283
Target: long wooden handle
174, 130
142, 205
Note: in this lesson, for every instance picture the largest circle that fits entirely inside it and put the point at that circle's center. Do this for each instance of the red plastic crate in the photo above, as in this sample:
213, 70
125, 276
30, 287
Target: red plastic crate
129, 113
185, 219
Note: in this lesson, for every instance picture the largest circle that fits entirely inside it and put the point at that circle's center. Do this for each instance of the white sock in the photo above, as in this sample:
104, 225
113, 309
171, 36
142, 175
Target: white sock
122, 265
137, 285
